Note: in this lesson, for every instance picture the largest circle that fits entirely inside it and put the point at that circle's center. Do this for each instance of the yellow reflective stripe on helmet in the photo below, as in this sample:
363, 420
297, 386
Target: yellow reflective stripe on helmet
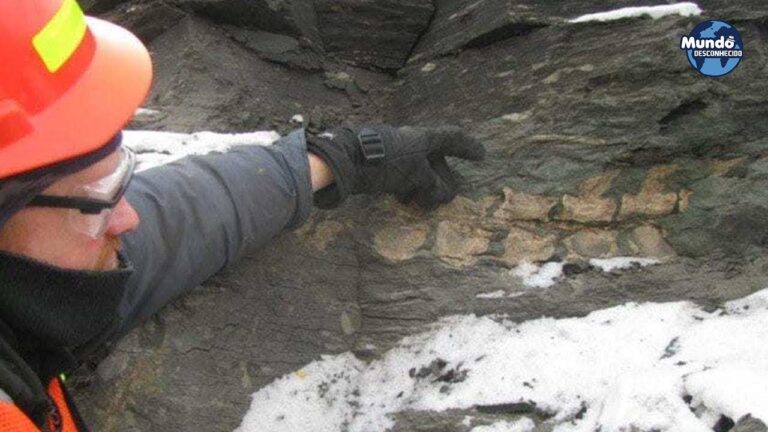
59, 39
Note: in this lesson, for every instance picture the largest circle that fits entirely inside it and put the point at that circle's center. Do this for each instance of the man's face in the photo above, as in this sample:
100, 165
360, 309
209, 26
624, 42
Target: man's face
50, 234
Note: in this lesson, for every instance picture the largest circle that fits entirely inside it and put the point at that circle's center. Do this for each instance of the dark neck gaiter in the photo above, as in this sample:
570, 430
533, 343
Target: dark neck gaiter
47, 313
48, 307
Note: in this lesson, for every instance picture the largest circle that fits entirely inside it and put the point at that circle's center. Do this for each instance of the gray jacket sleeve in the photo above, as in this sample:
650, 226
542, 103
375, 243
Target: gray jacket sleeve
201, 213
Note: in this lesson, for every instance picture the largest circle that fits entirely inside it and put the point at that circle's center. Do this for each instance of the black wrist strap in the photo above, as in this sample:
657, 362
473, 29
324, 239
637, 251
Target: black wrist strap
372, 146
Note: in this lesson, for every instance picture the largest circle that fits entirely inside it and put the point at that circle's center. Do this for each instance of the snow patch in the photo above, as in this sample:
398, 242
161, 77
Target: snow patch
549, 273
494, 294
620, 263
145, 112
523, 425
429, 67
158, 148
631, 367
516, 117
539, 277
730, 391
315, 398
683, 9
298, 118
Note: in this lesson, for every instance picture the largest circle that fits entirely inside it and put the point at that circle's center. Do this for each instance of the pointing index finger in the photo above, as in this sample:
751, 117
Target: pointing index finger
453, 141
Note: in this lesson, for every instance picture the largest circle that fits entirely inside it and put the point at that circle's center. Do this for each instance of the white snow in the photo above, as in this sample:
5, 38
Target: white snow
620, 263
321, 391
523, 425
549, 273
624, 368
538, 277
297, 118
494, 294
145, 111
655, 12
157, 148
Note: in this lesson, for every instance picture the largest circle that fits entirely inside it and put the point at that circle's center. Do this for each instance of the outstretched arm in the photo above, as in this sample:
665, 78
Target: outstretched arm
201, 213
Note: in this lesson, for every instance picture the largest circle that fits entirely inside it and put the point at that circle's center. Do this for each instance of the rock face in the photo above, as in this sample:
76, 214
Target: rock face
602, 142
750, 424
293, 17
200, 68
147, 20
379, 33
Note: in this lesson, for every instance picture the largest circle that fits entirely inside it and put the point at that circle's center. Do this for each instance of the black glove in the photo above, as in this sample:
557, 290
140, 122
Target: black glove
407, 161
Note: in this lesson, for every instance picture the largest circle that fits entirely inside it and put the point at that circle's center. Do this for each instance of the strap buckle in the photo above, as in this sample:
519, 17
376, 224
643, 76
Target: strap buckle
372, 146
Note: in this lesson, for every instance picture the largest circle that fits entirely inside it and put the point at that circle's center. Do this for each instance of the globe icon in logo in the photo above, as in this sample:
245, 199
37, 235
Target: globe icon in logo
714, 48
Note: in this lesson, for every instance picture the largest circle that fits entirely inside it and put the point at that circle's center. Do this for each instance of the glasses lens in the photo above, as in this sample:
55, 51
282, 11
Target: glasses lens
111, 188
107, 189
92, 225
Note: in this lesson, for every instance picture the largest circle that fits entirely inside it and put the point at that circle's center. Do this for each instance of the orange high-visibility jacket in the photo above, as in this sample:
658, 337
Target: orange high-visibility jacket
13, 419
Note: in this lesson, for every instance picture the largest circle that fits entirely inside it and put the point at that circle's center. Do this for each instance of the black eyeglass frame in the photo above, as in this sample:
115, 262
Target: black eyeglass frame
90, 206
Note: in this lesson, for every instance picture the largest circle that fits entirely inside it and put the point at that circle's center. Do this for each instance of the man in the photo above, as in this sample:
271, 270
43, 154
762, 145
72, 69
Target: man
77, 270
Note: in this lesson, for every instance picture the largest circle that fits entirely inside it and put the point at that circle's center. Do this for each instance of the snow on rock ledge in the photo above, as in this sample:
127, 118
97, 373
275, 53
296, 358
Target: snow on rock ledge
550, 273
522, 425
534, 276
158, 148
620, 263
633, 367
655, 12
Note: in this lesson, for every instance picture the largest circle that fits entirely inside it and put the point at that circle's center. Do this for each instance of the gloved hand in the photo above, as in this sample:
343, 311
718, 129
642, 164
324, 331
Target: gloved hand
407, 161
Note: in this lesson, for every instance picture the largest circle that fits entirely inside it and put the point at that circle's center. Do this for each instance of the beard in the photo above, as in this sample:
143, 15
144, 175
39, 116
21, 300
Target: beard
107, 259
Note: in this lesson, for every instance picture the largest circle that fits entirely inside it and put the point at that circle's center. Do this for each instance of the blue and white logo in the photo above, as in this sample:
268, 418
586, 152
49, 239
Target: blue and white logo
714, 48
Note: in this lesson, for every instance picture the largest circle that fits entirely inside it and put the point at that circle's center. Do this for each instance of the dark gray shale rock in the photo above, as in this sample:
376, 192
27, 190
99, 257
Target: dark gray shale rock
379, 33
473, 23
459, 24
368, 33
277, 48
602, 142
292, 17
99, 6
146, 19
749, 424
200, 69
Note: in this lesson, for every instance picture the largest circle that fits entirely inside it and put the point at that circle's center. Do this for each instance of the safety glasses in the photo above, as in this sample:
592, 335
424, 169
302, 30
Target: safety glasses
92, 204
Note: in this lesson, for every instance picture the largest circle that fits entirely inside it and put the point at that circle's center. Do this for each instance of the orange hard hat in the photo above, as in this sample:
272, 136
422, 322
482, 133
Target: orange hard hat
68, 83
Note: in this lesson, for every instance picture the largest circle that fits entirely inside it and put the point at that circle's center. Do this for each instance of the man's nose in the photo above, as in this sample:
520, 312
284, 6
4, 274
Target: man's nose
124, 219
